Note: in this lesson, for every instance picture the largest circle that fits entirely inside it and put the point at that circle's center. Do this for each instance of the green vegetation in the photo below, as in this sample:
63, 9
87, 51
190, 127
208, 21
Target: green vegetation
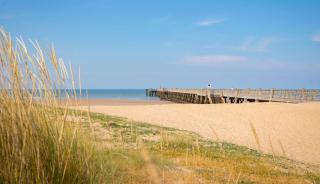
186, 157
43, 141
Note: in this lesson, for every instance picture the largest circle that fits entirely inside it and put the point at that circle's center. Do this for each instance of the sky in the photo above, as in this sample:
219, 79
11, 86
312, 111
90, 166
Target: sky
177, 43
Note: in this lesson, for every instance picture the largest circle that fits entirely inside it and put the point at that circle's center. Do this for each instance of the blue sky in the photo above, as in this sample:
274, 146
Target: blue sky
177, 43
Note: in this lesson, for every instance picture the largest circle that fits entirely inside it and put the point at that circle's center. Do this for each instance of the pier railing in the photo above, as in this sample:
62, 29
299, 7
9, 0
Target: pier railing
280, 95
275, 95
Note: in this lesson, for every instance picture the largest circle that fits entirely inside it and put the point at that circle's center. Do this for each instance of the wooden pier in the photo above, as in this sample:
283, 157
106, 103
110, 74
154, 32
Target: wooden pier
210, 96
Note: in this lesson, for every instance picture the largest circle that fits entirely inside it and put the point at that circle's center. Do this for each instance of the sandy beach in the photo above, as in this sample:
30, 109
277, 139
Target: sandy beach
282, 129
115, 102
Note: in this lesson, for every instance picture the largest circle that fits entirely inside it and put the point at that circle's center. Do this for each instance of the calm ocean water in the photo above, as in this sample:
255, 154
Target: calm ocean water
134, 94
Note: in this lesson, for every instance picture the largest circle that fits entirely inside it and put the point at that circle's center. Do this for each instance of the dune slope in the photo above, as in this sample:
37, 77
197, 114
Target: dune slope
292, 130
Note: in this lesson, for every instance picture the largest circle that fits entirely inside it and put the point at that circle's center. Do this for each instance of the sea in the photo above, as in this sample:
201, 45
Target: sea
130, 94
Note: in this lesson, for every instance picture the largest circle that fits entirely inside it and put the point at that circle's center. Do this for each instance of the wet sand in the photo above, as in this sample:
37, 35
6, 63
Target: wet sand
283, 129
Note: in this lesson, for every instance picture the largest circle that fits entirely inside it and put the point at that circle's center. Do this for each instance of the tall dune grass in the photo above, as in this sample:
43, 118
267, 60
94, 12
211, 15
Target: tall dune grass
37, 144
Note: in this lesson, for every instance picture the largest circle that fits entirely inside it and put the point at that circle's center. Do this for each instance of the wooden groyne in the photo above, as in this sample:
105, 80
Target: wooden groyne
209, 96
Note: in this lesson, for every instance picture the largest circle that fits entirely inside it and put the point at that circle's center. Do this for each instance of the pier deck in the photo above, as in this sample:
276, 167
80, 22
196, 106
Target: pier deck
204, 96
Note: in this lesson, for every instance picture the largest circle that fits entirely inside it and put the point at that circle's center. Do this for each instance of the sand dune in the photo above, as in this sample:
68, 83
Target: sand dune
295, 127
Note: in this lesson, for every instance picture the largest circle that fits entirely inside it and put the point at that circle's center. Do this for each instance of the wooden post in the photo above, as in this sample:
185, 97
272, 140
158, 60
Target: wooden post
228, 99
209, 96
305, 95
223, 100
271, 95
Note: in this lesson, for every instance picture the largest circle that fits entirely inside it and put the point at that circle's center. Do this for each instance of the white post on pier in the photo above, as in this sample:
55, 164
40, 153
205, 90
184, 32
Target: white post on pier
209, 93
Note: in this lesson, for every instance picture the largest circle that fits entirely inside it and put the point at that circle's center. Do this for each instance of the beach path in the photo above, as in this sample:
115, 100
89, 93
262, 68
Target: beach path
283, 129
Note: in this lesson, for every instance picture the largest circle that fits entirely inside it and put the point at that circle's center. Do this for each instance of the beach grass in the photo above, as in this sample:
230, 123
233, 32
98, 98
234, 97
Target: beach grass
42, 140
185, 157
37, 142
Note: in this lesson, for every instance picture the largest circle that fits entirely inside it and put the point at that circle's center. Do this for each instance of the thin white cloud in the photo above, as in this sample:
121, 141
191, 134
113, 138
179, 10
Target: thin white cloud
162, 19
209, 22
11, 16
257, 45
316, 38
172, 43
213, 59
6, 17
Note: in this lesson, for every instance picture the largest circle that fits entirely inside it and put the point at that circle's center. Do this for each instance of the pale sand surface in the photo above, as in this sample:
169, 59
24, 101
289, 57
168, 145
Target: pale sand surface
117, 102
294, 126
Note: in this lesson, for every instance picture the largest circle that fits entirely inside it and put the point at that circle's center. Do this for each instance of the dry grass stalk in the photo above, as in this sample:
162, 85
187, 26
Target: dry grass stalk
218, 139
187, 156
150, 167
238, 177
271, 146
256, 137
282, 148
